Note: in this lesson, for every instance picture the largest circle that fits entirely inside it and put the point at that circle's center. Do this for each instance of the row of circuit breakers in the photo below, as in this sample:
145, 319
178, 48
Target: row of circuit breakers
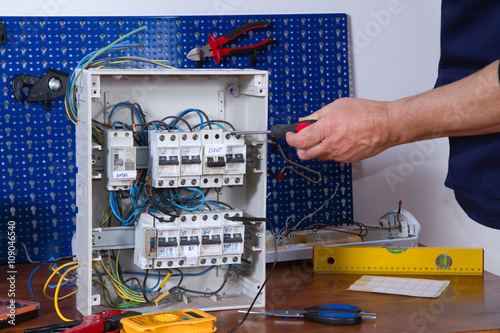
206, 159
198, 159
197, 239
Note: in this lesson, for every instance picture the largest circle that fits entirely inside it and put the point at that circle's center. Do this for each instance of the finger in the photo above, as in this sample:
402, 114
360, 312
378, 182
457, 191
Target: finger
317, 151
310, 117
307, 137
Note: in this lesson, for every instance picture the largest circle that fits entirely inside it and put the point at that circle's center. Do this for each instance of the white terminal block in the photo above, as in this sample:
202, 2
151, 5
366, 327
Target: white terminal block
164, 153
191, 151
403, 230
120, 159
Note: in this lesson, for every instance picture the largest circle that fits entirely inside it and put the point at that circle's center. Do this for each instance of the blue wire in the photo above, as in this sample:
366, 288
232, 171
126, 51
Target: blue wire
116, 122
189, 110
31, 275
202, 127
84, 61
174, 275
134, 189
156, 285
214, 204
116, 211
191, 208
66, 283
126, 103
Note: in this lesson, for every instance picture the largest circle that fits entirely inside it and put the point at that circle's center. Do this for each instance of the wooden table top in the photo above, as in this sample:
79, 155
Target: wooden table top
469, 304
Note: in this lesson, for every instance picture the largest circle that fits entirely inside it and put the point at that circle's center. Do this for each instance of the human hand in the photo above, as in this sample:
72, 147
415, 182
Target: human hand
347, 130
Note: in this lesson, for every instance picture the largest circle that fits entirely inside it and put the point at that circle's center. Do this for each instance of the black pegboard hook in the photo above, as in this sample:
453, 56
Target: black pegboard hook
3, 34
52, 85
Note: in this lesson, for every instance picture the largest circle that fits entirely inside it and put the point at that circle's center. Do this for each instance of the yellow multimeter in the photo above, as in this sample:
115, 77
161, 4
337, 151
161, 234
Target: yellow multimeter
179, 321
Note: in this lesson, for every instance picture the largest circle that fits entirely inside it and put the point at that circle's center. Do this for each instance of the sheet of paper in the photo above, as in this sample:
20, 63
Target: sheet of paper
400, 286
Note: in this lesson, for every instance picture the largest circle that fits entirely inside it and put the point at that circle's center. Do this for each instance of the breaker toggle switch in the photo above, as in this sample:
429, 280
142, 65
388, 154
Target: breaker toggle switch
163, 242
191, 160
215, 161
168, 160
206, 240
236, 158
236, 238
193, 240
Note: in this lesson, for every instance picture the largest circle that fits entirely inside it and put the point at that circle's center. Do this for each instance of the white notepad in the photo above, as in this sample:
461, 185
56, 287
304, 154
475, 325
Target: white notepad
400, 286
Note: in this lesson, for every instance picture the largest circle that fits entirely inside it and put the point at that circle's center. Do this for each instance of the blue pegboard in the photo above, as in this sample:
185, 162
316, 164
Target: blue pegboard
308, 68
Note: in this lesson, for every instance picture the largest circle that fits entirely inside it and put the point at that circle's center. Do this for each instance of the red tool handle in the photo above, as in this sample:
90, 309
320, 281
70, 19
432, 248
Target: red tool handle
279, 131
219, 53
219, 41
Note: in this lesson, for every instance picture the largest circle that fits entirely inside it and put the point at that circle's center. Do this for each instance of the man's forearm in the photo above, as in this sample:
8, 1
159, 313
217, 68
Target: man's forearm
470, 106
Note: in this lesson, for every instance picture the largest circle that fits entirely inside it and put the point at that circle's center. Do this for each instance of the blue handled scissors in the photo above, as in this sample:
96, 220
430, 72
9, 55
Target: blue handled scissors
331, 314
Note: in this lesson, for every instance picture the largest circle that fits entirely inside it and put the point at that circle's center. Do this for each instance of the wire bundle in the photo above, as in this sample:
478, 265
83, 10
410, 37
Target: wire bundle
91, 61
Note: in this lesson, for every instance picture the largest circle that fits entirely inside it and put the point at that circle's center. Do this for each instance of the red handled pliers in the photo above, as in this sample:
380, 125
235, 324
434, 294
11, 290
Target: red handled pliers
212, 48
107, 321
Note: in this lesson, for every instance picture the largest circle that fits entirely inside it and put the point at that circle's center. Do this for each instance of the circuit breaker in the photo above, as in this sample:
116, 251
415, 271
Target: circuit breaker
165, 157
161, 202
120, 158
191, 159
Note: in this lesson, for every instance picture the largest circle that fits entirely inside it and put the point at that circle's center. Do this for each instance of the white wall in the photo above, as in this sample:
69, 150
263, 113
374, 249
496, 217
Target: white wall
396, 52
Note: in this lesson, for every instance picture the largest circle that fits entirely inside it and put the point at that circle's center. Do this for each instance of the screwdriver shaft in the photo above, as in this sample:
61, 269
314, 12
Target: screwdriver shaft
250, 132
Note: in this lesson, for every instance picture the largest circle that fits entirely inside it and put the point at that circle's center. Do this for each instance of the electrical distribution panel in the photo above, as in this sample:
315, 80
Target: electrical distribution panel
163, 187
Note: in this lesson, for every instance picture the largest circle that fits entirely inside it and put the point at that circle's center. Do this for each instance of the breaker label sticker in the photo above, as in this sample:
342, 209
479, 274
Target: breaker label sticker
125, 174
215, 150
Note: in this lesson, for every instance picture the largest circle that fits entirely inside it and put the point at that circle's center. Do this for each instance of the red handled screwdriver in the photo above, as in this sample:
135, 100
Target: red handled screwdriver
279, 131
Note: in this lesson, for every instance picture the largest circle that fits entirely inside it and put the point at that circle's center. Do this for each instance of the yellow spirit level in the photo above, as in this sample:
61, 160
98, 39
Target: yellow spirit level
379, 260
